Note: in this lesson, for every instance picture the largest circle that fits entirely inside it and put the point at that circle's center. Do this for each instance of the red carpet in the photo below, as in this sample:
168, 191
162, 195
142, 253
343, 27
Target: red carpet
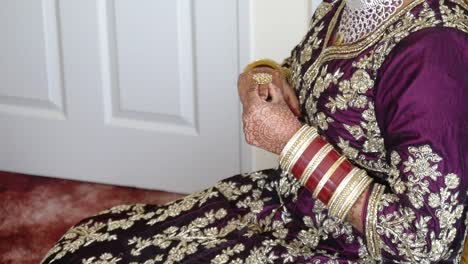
36, 211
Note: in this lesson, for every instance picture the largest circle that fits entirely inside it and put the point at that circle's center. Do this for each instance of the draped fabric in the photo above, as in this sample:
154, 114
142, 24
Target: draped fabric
394, 103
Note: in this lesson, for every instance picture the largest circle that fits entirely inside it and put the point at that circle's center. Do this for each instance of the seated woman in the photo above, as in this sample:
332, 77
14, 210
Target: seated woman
373, 170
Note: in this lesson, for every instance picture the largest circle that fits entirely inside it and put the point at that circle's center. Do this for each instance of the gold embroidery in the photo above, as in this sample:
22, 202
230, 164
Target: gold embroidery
424, 245
353, 92
455, 17
373, 240
183, 205
226, 254
347, 150
105, 258
81, 236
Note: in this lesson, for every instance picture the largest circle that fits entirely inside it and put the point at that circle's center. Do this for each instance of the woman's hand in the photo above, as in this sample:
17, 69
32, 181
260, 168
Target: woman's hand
267, 124
279, 80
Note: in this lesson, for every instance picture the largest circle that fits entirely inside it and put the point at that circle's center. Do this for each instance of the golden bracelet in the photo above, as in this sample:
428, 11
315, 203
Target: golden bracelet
309, 135
327, 176
352, 198
339, 189
270, 64
293, 146
302, 147
345, 195
286, 152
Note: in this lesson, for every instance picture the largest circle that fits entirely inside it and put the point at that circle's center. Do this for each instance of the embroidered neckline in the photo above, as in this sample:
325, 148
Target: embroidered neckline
361, 17
349, 50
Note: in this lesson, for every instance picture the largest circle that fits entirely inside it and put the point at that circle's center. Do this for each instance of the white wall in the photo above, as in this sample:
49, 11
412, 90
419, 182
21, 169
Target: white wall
276, 26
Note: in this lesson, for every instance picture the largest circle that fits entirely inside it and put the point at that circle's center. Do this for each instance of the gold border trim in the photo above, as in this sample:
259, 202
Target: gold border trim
373, 239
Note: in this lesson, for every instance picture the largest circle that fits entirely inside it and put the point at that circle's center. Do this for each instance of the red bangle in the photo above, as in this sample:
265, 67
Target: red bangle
332, 163
323, 167
330, 186
307, 156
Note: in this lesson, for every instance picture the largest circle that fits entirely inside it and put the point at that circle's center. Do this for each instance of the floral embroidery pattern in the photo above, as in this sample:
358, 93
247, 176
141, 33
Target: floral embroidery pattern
426, 245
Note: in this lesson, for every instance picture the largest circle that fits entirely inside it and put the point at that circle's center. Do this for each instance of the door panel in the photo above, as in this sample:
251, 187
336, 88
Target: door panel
31, 78
150, 61
138, 93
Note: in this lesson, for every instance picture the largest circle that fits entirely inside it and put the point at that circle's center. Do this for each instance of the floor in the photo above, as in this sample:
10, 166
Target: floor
35, 211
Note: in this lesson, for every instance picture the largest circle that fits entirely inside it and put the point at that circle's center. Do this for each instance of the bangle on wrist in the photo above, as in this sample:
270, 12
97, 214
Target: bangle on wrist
291, 151
320, 168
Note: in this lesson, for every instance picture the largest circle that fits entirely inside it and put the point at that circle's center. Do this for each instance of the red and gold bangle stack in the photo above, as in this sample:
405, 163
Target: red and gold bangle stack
320, 168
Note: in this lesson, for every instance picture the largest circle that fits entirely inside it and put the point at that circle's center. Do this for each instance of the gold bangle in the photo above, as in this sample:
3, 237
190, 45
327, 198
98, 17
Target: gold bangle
268, 63
339, 189
302, 143
327, 176
302, 147
285, 153
291, 149
344, 196
314, 163
263, 62
352, 198
292, 140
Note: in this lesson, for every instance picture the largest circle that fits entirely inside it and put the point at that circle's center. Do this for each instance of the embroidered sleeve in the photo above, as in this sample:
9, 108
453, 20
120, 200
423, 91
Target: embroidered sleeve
422, 108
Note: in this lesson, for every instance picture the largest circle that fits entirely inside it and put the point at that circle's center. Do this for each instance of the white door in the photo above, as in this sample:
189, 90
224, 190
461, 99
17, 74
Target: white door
129, 92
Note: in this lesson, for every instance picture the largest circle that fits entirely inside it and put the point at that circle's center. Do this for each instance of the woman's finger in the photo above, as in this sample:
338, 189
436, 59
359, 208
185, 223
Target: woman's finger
252, 96
278, 79
243, 86
263, 89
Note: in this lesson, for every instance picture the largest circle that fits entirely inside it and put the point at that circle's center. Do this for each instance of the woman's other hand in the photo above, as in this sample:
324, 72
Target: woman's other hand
279, 80
267, 124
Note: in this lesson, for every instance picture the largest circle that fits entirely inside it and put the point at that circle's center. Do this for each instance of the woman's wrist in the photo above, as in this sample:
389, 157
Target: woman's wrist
320, 168
294, 128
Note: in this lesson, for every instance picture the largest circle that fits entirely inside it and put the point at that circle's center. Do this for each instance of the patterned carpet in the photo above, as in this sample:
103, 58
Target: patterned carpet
36, 211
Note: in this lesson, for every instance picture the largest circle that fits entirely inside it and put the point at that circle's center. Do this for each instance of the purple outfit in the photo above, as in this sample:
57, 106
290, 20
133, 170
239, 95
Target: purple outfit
394, 103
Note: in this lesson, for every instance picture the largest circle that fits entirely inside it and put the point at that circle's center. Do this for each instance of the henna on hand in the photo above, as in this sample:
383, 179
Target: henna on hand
268, 125
279, 80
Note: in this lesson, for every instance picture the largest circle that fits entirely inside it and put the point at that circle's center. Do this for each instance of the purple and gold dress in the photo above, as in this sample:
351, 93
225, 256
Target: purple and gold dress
395, 103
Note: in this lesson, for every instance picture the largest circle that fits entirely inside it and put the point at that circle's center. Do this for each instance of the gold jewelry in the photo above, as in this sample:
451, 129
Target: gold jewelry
270, 64
356, 191
343, 195
292, 140
348, 193
286, 153
308, 136
327, 176
294, 144
342, 202
315, 162
263, 62
340, 188
262, 78
302, 147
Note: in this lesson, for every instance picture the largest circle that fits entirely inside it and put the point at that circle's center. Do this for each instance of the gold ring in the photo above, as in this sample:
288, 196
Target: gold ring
262, 78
